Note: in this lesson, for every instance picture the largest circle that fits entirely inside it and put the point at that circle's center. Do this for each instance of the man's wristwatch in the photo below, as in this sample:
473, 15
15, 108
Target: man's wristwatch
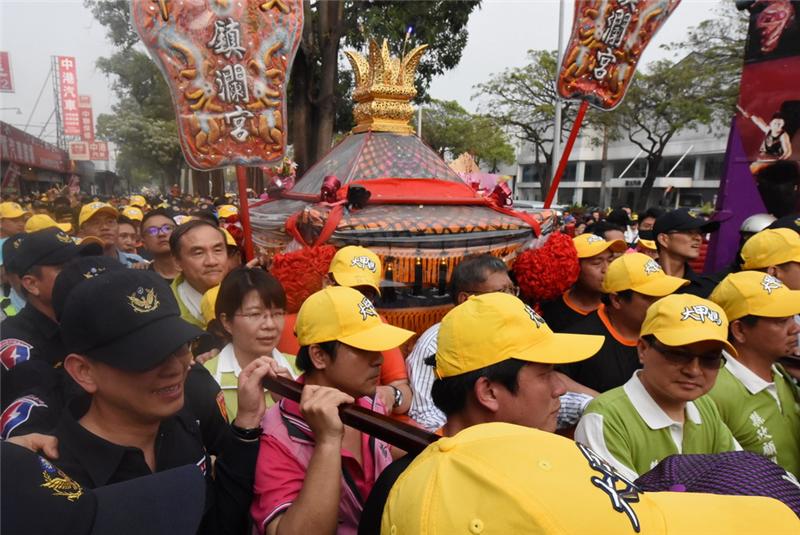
252, 433
398, 397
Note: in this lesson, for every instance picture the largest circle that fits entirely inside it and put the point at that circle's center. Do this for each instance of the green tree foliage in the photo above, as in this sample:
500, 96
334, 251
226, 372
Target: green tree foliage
450, 129
319, 92
523, 100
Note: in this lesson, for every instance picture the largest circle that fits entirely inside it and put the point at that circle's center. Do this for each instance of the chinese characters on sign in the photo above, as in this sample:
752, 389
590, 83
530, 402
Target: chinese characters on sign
607, 41
68, 93
26, 150
6, 81
226, 65
87, 118
96, 151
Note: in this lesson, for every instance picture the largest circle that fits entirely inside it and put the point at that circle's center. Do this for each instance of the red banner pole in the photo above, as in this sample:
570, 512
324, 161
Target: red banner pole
562, 164
244, 211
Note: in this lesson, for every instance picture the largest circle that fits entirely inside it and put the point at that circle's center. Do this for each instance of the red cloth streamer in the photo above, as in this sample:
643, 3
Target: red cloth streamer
301, 272
545, 273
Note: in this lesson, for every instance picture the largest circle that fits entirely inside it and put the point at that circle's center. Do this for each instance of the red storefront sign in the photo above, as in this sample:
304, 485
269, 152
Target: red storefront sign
98, 151
18, 147
6, 81
68, 93
79, 151
87, 117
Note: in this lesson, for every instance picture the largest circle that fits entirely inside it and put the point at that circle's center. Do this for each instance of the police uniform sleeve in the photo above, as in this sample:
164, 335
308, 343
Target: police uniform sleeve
203, 398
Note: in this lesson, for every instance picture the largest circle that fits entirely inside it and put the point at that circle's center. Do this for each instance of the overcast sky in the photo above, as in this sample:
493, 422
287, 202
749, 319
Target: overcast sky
500, 33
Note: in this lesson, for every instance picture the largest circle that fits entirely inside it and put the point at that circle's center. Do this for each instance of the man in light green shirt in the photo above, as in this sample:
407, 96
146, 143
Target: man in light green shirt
754, 394
662, 409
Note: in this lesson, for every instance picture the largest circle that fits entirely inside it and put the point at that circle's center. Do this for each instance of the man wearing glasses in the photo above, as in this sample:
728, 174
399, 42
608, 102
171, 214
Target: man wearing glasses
157, 226
678, 235
662, 409
755, 395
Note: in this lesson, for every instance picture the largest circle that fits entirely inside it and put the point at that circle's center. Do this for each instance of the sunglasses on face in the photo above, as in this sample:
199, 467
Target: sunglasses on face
164, 229
709, 361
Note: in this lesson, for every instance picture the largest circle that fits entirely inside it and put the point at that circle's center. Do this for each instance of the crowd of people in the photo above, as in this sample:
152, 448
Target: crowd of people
135, 340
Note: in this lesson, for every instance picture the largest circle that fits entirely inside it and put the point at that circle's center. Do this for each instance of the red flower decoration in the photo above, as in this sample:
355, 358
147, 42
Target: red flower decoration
301, 273
545, 273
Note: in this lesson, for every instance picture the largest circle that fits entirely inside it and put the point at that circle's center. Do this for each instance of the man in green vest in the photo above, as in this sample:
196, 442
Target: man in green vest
755, 396
662, 409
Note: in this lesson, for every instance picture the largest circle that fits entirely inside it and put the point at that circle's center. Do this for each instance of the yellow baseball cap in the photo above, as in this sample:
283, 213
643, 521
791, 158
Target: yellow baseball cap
208, 304
356, 266
229, 239
11, 210
490, 328
755, 293
138, 200
497, 478
43, 221
648, 244
589, 245
88, 211
225, 211
133, 212
682, 319
344, 314
640, 273
771, 248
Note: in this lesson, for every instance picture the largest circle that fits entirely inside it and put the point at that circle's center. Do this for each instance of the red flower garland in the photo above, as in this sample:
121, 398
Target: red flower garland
301, 273
545, 273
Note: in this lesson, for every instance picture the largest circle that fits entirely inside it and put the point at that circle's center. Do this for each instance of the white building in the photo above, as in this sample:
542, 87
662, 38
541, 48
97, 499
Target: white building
699, 156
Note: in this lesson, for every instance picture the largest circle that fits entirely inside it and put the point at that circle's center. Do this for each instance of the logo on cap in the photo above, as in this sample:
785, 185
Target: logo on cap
59, 482
95, 271
621, 498
652, 267
366, 308
17, 243
594, 239
63, 238
536, 318
364, 262
143, 301
700, 313
770, 283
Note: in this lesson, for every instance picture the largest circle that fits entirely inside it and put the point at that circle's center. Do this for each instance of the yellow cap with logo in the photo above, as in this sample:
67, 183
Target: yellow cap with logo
500, 478
90, 210
208, 303
227, 210
647, 244
490, 328
345, 315
43, 221
356, 266
589, 245
138, 200
771, 248
640, 273
682, 319
754, 293
11, 210
133, 213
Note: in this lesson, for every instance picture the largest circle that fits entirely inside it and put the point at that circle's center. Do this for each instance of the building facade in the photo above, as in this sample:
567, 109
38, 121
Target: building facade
689, 174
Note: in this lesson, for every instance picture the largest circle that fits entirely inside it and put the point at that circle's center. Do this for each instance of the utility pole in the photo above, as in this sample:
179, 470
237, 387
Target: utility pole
61, 141
557, 121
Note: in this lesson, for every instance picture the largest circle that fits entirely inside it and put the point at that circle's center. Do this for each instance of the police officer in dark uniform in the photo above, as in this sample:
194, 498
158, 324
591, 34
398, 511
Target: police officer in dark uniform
128, 349
37, 260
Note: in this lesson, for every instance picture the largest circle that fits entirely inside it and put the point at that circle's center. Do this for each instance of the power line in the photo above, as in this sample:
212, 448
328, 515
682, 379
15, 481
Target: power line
49, 74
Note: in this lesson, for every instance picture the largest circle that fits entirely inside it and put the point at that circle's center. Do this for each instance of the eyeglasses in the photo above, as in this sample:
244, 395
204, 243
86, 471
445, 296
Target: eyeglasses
262, 317
511, 290
163, 229
709, 361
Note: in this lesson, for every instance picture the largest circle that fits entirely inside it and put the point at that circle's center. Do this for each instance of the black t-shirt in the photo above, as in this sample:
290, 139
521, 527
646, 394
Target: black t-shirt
559, 315
370, 522
94, 462
152, 268
30, 335
612, 366
700, 285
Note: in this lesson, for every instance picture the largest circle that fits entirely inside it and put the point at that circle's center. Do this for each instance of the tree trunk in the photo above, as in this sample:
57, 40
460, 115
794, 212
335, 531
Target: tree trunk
300, 110
650, 179
330, 31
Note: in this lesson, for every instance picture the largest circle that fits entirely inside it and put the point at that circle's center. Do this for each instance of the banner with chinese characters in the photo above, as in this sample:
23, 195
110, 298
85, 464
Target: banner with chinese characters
6, 79
78, 151
608, 39
87, 117
68, 95
227, 65
29, 151
98, 151
768, 111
